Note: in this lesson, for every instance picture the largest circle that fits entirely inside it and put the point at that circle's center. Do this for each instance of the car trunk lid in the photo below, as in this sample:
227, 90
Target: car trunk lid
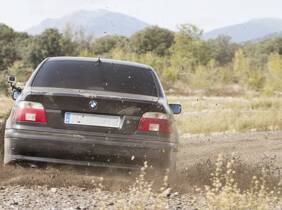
59, 102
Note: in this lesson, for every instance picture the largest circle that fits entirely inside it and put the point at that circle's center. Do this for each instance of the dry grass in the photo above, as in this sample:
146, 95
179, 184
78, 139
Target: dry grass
258, 187
225, 190
5, 105
224, 193
221, 114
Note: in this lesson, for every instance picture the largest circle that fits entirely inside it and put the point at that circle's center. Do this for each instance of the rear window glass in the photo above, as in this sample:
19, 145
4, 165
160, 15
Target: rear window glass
90, 75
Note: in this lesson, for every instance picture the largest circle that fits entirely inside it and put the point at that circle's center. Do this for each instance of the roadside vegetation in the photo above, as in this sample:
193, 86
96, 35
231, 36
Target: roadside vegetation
261, 187
206, 115
185, 62
231, 185
227, 189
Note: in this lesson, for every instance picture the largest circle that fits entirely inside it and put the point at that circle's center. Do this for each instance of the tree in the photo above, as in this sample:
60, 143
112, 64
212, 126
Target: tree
274, 65
83, 39
241, 67
69, 46
7, 47
22, 43
50, 43
47, 44
222, 49
259, 51
188, 52
246, 74
272, 45
152, 39
107, 43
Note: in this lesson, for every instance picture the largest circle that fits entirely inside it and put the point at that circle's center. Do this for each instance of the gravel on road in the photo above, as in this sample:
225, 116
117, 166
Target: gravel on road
75, 198
61, 188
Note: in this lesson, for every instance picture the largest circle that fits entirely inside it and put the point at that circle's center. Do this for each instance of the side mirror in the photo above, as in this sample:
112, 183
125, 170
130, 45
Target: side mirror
11, 79
175, 108
16, 93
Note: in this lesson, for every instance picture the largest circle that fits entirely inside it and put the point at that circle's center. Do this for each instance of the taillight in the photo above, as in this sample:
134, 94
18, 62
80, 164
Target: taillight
27, 111
154, 122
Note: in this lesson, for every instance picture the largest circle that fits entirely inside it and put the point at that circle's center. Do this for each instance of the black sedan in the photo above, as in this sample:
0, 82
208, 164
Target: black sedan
93, 112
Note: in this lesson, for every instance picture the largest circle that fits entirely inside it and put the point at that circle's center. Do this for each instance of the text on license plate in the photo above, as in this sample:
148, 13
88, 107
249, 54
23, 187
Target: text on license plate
92, 120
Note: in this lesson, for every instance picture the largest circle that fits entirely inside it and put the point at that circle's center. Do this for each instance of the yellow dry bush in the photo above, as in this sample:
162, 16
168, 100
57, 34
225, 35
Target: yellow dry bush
225, 194
141, 195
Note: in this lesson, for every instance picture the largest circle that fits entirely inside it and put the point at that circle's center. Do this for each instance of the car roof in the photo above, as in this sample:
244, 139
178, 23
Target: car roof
103, 60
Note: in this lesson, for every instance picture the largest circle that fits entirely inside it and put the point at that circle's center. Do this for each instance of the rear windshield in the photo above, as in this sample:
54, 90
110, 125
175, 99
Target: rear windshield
90, 75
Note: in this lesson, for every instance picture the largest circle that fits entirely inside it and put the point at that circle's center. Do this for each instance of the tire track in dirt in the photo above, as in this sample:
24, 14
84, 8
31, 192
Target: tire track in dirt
195, 151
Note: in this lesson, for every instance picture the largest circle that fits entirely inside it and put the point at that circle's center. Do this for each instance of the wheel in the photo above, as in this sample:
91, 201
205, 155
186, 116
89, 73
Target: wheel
2, 132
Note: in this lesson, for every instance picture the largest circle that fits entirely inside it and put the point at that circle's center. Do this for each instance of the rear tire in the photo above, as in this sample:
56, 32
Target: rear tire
2, 134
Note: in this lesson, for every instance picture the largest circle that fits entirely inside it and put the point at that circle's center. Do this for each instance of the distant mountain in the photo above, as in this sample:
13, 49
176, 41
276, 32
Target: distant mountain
97, 22
251, 30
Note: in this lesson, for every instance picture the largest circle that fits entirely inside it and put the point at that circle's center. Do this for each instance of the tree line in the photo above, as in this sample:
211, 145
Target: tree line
183, 59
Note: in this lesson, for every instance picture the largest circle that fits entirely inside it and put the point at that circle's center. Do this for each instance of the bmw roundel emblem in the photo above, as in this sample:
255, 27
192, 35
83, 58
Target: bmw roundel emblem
93, 105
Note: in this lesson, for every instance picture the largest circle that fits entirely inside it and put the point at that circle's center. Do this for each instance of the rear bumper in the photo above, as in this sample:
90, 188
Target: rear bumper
87, 149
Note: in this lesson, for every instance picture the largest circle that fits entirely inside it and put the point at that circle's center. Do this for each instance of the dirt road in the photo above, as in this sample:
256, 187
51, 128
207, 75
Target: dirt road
57, 187
252, 147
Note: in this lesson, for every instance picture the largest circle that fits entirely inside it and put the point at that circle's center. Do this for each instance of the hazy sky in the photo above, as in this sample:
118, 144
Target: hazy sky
207, 14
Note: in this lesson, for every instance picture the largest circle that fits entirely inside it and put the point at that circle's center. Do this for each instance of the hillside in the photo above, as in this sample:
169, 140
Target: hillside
251, 30
98, 22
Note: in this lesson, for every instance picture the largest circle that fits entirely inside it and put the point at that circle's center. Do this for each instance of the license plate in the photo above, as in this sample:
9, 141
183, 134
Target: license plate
92, 120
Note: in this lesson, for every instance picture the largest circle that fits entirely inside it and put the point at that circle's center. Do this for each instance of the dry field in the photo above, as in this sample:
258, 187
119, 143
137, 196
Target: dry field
229, 158
228, 114
5, 106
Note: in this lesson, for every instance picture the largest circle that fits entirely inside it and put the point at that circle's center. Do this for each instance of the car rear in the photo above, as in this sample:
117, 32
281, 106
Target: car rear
92, 112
